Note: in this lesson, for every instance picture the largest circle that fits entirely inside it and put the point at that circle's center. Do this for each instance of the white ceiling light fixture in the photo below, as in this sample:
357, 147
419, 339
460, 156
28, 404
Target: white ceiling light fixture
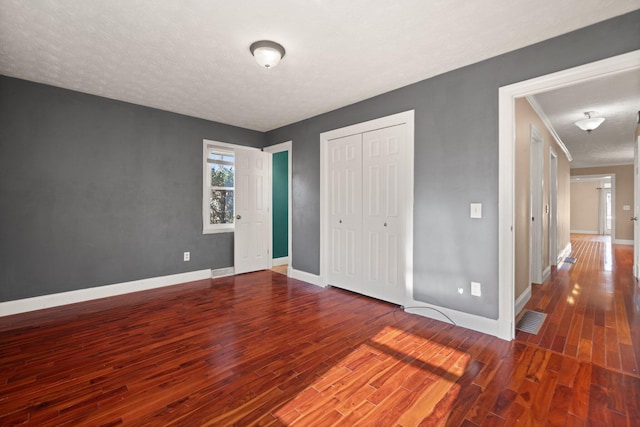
590, 123
267, 53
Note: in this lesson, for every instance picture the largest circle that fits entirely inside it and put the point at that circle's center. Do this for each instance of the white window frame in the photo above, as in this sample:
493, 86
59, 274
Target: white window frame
223, 147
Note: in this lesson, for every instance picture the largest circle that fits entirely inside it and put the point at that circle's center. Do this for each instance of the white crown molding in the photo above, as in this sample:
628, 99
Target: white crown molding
547, 123
573, 167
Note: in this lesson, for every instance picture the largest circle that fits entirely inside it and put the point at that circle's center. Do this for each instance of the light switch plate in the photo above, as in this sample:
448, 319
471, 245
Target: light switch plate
476, 210
476, 289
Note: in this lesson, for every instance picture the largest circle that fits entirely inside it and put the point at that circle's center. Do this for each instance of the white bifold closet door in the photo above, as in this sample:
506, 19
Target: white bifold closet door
383, 189
345, 212
367, 185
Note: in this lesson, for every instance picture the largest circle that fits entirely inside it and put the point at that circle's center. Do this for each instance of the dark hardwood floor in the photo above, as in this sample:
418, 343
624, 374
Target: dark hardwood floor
264, 349
593, 306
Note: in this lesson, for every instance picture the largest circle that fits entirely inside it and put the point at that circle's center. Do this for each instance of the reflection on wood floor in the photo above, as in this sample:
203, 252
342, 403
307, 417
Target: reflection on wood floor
593, 306
265, 349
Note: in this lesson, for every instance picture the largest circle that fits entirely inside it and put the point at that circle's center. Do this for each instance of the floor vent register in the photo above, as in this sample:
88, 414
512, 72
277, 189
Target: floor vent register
531, 322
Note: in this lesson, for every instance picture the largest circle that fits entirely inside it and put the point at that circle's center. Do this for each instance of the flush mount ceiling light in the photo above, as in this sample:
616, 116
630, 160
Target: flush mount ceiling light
590, 123
267, 53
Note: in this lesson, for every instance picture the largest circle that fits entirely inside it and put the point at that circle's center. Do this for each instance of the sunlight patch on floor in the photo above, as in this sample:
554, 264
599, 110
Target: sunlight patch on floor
395, 374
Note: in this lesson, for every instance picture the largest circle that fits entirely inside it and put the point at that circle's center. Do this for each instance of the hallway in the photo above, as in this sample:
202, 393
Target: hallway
592, 306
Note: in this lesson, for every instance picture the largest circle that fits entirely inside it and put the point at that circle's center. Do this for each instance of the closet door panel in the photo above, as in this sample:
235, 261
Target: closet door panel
383, 152
345, 212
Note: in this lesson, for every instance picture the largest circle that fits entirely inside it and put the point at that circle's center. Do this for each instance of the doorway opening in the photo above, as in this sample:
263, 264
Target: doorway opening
506, 199
281, 171
593, 204
607, 209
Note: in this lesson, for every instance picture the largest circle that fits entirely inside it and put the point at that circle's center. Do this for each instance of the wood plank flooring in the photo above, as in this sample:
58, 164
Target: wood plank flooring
265, 349
592, 306
282, 269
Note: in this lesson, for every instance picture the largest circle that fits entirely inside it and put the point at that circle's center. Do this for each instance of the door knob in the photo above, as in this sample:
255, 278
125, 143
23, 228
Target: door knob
238, 217
634, 218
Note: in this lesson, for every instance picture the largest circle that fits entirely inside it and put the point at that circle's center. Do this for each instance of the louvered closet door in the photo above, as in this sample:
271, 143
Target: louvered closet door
345, 212
384, 213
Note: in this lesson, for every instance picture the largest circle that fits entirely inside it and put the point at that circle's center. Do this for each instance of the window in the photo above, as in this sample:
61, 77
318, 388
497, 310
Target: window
218, 188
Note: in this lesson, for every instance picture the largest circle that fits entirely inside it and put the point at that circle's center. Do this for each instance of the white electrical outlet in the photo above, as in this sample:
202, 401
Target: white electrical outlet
187, 256
476, 289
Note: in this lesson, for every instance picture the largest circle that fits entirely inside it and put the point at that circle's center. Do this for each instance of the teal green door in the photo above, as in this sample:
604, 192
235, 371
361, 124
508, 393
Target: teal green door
280, 191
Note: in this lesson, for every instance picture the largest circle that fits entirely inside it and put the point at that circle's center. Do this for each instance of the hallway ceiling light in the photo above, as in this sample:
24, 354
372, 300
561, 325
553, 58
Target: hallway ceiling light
590, 123
267, 53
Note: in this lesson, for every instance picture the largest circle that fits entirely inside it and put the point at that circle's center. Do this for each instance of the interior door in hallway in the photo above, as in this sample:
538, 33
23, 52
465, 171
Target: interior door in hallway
252, 209
536, 166
384, 192
345, 212
636, 205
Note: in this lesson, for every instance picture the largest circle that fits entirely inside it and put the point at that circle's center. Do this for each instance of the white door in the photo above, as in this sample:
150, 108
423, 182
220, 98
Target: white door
366, 207
536, 184
553, 208
608, 217
345, 212
383, 152
252, 209
636, 212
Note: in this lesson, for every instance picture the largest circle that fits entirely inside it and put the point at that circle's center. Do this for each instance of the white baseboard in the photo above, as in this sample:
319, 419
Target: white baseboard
584, 231
565, 253
623, 242
522, 300
222, 272
546, 274
280, 261
314, 279
465, 320
63, 298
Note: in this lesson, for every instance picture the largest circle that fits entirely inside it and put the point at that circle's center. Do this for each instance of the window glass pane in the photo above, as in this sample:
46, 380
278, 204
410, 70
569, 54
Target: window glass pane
221, 207
221, 175
219, 183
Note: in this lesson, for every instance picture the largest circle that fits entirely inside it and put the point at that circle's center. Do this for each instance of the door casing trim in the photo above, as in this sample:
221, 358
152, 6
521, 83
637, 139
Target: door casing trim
506, 173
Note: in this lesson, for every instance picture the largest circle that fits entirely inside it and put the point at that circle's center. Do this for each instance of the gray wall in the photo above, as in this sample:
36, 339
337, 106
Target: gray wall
456, 161
95, 191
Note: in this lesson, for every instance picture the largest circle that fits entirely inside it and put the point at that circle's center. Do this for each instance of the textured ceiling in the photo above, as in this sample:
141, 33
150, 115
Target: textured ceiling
616, 98
192, 56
